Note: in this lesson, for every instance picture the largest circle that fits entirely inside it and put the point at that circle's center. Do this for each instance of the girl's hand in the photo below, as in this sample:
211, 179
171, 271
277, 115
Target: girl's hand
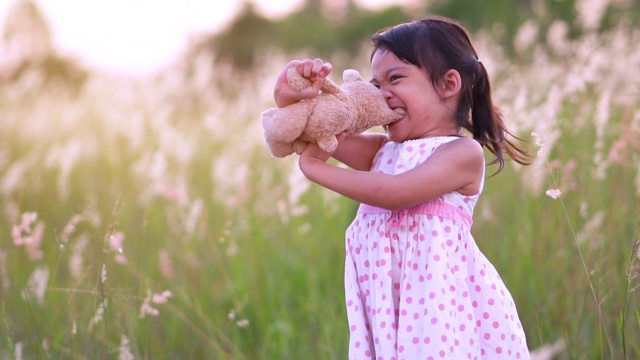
315, 70
313, 155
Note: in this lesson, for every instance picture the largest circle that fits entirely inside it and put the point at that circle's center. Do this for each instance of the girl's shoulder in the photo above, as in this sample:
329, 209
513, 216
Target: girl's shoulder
462, 146
458, 146
465, 158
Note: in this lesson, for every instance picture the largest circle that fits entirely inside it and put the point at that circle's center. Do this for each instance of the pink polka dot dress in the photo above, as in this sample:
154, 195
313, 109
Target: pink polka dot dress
417, 285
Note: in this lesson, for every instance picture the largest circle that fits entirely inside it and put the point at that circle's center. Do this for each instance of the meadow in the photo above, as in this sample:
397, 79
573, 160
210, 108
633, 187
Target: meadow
144, 218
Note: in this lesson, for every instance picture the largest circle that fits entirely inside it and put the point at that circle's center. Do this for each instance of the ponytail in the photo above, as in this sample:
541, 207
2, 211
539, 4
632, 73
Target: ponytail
487, 122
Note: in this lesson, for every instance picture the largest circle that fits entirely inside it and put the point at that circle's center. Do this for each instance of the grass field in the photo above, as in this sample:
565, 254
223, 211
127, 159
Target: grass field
145, 218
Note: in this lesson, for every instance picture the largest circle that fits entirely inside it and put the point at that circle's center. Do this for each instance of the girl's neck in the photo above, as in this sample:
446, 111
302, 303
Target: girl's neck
431, 137
439, 133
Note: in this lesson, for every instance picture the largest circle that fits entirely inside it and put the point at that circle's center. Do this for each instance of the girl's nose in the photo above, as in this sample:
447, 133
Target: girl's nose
385, 92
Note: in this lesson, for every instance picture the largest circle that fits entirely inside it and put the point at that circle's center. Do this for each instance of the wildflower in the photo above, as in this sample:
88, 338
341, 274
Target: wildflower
177, 194
634, 268
76, 263
526, 36
147, 309
297, 187
557, 35
539, 143
620, 153
549, 351
33, 245
24, 227
195, 214
162, 298
165, 264
115, 244
37, 285
18, 350
554, 193
241, 323
69, 229
98, 316
14, 176
103, 274
125, 349
24, 235
591, 229
590, 13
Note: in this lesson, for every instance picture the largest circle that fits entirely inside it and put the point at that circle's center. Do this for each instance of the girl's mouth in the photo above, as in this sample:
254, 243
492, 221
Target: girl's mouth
390, 125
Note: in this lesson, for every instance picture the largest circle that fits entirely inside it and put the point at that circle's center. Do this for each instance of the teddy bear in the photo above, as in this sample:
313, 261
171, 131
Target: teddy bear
353, 107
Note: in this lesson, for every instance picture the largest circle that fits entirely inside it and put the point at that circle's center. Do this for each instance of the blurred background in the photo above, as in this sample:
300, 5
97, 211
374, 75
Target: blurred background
141, 215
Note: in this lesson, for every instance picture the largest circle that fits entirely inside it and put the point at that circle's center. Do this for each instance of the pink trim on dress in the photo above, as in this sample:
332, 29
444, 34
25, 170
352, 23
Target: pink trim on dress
433, 207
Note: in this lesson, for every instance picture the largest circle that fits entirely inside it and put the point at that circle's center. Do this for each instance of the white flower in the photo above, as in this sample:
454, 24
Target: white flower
98, 316
554, 193
162, 298
37, 285
103, 274
125, 349
242, 323
147, 309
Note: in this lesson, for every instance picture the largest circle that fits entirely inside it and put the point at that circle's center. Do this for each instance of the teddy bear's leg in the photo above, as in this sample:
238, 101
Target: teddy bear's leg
299, 146
286, 124
328, 143
279, 149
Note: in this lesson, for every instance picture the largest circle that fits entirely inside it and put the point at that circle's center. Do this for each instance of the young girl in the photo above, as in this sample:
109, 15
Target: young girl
417, 286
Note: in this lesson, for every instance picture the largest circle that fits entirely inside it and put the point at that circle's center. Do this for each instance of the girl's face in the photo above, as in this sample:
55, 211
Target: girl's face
406, 86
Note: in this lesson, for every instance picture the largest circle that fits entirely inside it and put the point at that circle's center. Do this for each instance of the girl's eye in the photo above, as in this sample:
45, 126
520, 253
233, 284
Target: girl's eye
394, 77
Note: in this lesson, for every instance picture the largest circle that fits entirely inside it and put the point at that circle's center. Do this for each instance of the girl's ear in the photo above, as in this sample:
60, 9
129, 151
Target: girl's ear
451, 84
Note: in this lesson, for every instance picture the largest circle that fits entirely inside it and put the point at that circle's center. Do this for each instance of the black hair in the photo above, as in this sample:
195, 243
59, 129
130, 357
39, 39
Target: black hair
438, 44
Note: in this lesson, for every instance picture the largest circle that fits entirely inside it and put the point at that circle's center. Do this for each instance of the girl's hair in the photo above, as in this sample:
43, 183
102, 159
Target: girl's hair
438, 44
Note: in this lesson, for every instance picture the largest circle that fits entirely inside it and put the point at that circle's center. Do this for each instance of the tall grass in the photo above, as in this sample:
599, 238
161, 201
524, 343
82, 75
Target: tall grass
143, 218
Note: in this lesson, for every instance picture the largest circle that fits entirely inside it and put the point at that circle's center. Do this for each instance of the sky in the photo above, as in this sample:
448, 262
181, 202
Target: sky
109, 34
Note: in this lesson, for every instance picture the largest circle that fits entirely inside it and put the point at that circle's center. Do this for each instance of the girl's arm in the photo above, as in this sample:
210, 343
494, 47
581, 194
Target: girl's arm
455, 166
357, 151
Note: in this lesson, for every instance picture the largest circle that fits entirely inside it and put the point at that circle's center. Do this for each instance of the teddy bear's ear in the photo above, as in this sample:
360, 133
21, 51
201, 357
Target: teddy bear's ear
351, 75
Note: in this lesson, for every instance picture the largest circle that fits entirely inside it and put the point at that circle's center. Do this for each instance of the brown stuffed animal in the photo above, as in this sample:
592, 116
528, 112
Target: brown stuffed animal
353, 107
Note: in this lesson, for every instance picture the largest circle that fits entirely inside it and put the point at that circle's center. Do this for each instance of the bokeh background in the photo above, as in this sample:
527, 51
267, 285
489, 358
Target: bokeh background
141, 215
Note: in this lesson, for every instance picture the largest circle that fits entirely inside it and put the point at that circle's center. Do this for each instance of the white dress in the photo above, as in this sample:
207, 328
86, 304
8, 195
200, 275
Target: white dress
417, 285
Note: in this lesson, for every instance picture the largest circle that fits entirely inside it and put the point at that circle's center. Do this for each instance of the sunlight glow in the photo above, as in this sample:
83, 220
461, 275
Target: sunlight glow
141, 36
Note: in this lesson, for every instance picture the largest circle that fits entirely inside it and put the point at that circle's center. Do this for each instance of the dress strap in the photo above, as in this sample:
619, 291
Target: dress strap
433, 207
